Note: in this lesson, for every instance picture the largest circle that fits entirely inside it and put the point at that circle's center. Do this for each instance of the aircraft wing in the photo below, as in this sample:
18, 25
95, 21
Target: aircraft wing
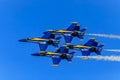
56, 60
85, 52
43, 47
68, 39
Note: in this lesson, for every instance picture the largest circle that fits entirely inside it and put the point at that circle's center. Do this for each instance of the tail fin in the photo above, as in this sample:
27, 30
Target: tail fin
74, 27
62, 49
91, 42
48, 35
99, 49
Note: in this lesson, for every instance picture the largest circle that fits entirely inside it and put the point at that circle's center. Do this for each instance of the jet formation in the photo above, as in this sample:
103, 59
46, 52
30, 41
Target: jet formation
52, 37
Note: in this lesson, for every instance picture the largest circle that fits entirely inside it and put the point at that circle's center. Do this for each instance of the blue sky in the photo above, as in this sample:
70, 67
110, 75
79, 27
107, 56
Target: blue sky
29, 18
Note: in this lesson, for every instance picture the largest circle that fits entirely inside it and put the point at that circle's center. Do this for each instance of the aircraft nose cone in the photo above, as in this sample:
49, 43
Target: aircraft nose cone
35, 54
22, 40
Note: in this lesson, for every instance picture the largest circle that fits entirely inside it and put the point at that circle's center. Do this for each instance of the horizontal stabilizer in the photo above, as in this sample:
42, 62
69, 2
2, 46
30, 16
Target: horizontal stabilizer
84, 29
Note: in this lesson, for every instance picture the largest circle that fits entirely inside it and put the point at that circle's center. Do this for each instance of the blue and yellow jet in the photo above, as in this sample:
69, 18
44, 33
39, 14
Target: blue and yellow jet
88, 48
72, 31
61, 54
47, 39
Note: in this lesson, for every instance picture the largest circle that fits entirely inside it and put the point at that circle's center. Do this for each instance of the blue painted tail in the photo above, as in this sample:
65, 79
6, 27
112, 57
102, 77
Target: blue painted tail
74, 27
93, 43
48, 35
62, 49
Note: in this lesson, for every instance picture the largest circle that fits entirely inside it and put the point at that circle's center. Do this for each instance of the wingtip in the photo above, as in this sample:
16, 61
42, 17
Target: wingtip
85, 58
74, 22
55, 65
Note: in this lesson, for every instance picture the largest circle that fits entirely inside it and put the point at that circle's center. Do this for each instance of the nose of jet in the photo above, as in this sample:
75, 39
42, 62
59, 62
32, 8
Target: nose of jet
23, 40
36, 54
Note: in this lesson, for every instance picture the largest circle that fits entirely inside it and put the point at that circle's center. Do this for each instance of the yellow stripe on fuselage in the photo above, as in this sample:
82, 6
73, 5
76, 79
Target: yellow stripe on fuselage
62, 31
37, 39
51, 53
79, 46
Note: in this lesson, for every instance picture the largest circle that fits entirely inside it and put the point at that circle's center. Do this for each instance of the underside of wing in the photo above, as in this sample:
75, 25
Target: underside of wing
56, 60
43, 47
85, 52
68, 39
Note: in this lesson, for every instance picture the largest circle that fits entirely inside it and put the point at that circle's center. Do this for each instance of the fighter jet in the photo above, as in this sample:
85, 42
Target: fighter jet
47, 39
88, 48
61, 54
72, 31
